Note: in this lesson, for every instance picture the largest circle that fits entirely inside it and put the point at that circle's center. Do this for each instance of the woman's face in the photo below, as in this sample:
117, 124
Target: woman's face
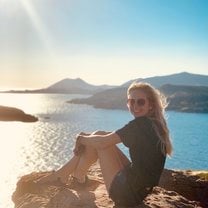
138, 103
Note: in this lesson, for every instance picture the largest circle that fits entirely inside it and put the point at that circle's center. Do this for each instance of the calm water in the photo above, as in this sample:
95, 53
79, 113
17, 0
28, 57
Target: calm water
48, 143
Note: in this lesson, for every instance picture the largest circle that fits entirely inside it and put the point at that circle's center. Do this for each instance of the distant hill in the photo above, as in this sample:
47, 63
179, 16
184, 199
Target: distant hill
79, 86
183, 78
75, 86
180, 98
68, 86
109, 99
187, 98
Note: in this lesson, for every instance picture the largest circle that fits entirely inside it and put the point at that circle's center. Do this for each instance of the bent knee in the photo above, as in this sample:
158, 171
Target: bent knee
90, 150
99, 132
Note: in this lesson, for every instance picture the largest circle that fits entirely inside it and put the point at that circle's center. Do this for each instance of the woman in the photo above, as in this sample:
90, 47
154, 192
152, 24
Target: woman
146, 136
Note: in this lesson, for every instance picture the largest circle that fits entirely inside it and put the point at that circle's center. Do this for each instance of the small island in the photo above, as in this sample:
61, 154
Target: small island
15, 114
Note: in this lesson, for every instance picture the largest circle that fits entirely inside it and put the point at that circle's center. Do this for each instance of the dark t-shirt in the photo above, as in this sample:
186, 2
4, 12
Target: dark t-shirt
145, 152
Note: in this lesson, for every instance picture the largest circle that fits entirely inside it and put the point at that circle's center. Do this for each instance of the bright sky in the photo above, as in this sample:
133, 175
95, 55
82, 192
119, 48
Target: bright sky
100, 41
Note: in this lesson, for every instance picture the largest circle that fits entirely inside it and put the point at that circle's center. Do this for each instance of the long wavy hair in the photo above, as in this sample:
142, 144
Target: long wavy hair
158, 103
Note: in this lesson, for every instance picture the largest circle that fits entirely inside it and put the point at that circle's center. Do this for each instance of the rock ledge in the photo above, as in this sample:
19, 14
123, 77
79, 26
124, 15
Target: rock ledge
176, 189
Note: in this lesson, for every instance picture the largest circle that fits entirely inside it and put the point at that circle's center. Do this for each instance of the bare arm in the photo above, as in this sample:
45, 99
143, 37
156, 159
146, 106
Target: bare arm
99, 141
79, 147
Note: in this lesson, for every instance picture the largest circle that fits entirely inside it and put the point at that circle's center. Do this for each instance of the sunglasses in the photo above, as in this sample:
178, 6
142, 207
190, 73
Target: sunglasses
140, 102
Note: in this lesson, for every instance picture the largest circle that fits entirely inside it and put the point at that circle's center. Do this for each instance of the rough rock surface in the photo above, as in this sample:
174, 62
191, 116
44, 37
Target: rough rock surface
176, 189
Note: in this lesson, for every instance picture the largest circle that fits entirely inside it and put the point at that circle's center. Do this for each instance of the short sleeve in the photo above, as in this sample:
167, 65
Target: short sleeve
135, 129
128, 133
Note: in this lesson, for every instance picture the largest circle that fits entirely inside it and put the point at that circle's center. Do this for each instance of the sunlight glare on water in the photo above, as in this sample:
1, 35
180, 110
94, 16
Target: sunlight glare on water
29, 147
26, 102
10, 157
17, 142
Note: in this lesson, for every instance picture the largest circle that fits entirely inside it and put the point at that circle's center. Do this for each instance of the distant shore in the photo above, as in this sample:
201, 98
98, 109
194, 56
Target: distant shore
189, 99
15, 114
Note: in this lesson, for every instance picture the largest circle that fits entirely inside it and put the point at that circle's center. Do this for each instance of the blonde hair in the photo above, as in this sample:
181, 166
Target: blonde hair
158, 104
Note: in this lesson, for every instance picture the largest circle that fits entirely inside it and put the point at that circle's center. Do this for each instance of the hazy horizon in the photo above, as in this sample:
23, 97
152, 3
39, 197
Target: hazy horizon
101, 42
24, 88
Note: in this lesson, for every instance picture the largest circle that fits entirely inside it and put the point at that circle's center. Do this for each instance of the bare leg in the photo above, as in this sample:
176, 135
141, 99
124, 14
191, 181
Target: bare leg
78, 165
88, 157
62, 173
112, 160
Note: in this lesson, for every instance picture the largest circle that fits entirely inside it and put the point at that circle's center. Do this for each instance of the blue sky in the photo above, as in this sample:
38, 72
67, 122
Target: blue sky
100, 41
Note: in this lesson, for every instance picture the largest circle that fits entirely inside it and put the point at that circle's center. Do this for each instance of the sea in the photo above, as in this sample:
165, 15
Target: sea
48, 143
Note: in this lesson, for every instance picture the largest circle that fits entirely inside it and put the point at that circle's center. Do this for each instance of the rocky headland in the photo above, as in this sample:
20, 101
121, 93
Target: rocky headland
180, 98
15, 114
176, 189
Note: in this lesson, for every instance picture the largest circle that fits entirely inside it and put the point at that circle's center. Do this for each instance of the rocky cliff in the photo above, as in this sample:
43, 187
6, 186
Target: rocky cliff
176, 189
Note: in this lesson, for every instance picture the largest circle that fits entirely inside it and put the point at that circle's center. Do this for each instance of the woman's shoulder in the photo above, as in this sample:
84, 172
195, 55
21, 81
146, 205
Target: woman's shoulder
143, 120
144, 123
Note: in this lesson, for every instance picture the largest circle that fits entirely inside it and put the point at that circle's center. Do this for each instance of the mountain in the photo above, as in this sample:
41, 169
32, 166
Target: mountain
109, 99
183, 78
79, 86
78, 83
68, 86
76, 86
186, 98
180, 98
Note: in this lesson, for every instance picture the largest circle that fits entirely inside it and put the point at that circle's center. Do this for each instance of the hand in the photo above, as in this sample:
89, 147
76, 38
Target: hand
83, 134
79, 148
